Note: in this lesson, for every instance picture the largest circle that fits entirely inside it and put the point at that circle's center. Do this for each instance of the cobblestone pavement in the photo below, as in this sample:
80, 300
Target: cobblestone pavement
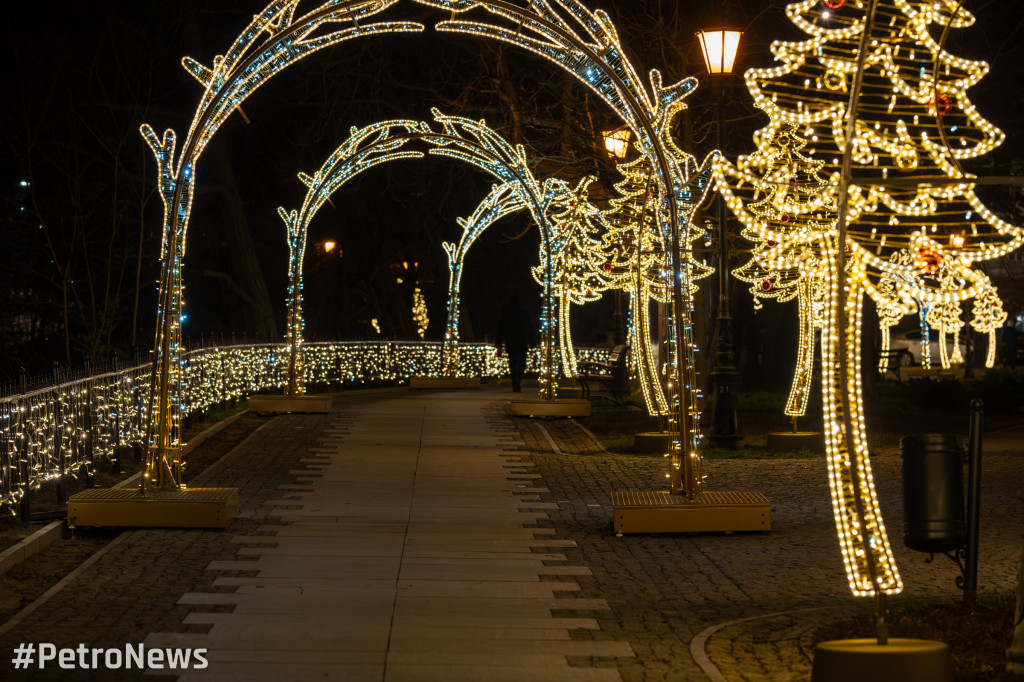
751, 600
665, 590
134, 586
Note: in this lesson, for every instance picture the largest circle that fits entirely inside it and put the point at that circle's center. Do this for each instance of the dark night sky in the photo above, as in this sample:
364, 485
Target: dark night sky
81, 77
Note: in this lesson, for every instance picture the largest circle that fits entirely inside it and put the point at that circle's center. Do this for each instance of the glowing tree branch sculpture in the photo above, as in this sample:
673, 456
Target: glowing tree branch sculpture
989, 316
585, 43
879, 102
274, 39
459, 138
582, 42
500, 202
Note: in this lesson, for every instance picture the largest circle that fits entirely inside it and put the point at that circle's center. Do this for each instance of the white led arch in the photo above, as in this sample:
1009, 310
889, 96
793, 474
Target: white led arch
459, 138
581, 41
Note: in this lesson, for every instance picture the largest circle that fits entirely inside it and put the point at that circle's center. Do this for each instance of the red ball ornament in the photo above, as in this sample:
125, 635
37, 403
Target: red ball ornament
590, 292
833, 4
784, 218
942, 102
929, 261
607, 267
772, 243
766, 285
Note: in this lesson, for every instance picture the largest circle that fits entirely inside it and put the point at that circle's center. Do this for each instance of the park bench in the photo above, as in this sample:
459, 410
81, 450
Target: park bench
612, 376
894, 360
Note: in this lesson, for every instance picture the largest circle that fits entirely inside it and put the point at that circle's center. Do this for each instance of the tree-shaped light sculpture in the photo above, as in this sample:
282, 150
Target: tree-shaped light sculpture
577, 262
502, 200
879, 101
635, 262
989, 316
634, 251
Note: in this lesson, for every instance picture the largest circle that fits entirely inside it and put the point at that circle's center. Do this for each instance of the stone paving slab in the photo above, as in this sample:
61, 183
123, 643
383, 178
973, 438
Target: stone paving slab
533, 587
406, 534
485, 588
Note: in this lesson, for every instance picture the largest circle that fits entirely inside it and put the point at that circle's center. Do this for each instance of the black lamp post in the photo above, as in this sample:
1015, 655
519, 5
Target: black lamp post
616, 143
719, 49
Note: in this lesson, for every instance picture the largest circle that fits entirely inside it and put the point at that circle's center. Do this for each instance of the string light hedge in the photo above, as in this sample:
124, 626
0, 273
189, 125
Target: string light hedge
912, 225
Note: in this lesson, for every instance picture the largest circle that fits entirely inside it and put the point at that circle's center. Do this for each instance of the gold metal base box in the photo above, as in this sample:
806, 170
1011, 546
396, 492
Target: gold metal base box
787, 441
190, 508
562, 407
289, 403
642, 511
444, 382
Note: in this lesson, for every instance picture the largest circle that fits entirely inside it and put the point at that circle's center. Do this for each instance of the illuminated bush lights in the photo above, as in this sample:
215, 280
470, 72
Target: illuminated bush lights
96, 414
276, 38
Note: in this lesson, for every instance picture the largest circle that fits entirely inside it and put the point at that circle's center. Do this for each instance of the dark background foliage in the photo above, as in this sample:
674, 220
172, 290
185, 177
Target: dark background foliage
80, 240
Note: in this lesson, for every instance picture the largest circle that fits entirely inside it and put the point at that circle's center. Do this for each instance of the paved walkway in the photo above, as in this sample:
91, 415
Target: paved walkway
428, 536
405, 552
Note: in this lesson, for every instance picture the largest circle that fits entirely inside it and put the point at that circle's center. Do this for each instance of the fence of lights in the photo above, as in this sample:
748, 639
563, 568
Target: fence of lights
458, 138
915, 223
75, 424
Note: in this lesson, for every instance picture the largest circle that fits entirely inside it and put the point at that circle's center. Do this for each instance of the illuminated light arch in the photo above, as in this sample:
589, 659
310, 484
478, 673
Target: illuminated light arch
277, 38
500, 202
458, 138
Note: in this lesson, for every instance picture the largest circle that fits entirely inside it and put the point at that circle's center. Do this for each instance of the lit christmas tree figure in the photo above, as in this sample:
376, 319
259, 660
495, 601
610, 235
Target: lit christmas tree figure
989, 317
911, 127
577, 262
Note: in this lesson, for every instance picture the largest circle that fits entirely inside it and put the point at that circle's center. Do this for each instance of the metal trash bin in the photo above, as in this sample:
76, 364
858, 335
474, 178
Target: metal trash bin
933, 493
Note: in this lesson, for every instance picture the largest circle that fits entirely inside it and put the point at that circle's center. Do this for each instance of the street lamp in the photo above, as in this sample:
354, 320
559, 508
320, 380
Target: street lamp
616, 142
719, 48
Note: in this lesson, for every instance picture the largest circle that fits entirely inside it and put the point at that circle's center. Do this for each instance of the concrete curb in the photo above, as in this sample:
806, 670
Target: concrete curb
700, 640
49, 534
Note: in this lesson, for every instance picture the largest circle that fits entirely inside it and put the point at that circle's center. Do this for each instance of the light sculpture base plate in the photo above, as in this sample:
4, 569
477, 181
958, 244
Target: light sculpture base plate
567, 390
788, 441
189, 508
444, 382
901, 660
562, 407
648, 442
289, 403
643, 511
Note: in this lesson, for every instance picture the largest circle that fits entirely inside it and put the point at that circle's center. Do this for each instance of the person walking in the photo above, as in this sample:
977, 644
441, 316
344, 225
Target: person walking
516, 332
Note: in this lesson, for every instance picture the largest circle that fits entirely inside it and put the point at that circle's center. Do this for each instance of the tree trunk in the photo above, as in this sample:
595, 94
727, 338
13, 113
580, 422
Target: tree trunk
870, 567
